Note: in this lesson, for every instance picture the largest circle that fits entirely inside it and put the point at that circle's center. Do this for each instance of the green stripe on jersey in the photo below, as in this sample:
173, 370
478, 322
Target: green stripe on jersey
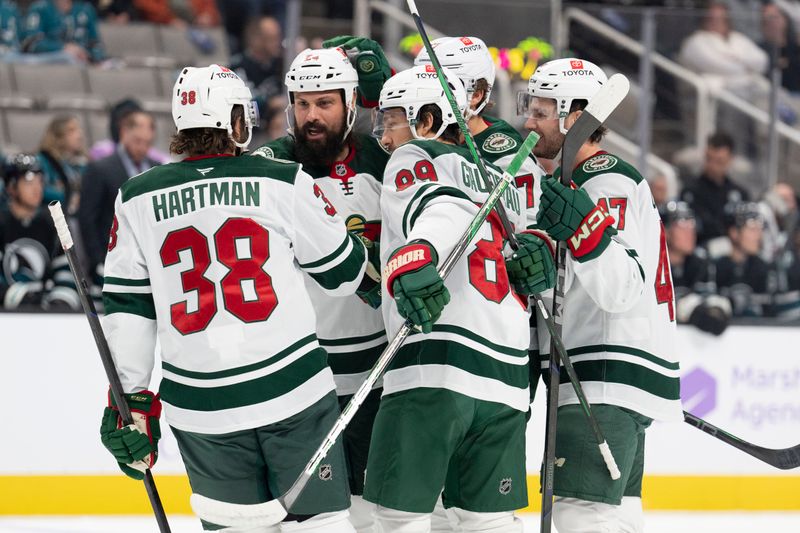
319, 262
352, 340
132, 303
355, 362
251, 392
611, 371
595, 348
344, 271
127, 282
451, 353
477, 338
212, 168
431, 195
241, 369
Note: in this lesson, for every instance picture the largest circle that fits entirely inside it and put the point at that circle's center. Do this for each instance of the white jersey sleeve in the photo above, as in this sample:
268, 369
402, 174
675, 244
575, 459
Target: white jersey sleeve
615, 279
332, 256
130, 315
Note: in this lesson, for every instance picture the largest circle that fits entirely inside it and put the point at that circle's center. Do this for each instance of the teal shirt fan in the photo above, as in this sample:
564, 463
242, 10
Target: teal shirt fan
48, 29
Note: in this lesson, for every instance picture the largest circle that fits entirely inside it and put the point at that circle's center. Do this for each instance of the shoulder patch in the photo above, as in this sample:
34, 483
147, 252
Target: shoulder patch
499, 142
600, 162
265, 152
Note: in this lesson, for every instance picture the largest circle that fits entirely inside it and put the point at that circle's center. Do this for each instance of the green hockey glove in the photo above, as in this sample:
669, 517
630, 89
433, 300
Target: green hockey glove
531, 269
370, 288
135, 447
569, 215
415, 285
370, 63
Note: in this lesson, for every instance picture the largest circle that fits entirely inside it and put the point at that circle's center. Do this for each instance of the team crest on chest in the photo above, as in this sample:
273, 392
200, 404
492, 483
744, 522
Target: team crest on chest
371, 229
497, 143
600, 162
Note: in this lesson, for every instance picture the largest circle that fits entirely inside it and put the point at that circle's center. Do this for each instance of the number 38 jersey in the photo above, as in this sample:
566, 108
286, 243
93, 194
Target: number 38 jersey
619, 310
350, 330
431, 192
207, 255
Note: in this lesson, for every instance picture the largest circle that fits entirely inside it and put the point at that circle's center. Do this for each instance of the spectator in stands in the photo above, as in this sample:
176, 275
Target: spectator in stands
659, 188
115, 11
715, 50
62, 155
708, 194
62, 31
181, 13
742, 275
35, 272
9, 28
102, 181
692, 272
261, 63
233, 12
106, 147
780, 35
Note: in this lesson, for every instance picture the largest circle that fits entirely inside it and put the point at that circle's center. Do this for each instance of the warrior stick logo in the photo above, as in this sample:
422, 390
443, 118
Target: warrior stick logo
325, 472
505, 486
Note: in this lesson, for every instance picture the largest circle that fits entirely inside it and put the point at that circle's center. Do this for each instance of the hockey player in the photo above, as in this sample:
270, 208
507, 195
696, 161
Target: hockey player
452, 418
348, 168
33, 268
469, 59
208, 254
619, 308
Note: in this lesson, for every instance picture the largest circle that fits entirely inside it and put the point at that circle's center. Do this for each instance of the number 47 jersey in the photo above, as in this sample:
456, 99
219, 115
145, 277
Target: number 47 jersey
619, 310
207, 255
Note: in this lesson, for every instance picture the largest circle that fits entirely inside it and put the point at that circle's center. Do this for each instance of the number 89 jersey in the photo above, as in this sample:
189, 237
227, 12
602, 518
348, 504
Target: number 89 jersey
619, 310
431, 191
209, 254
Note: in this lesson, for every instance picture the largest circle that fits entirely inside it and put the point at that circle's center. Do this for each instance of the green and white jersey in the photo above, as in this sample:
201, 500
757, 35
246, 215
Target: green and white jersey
498, 144
431, 191
619, 309
350, 331
208, 256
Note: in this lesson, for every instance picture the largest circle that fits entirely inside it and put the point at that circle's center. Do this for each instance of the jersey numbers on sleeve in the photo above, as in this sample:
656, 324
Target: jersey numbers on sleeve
112, 235
242, 246
487, 266
329, 209
526, 181
620, 204
664, 291
423, 171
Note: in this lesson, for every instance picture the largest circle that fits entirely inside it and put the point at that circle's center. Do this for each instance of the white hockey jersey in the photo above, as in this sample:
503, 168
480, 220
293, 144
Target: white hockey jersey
498, 144
431, 191
208, 255
350, 331
619, 308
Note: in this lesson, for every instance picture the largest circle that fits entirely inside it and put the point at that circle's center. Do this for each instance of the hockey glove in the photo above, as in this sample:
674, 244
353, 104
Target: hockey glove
370, 63
415, 285
569, 215
135, 447
531, 269
370, 288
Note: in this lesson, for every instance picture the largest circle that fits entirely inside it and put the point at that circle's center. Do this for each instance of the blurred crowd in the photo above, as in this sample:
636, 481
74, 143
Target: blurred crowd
733, 254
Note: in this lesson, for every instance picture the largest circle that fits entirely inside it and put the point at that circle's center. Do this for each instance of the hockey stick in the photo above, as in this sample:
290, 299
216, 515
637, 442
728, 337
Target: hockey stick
598, 110
509, 231
65, 237
273, 511
785, 458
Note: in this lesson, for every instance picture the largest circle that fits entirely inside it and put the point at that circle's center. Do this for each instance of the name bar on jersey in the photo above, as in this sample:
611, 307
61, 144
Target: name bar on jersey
199, 195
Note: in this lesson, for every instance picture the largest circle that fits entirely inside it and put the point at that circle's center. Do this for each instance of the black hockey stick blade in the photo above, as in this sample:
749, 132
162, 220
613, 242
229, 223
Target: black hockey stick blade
785, 459
597, 112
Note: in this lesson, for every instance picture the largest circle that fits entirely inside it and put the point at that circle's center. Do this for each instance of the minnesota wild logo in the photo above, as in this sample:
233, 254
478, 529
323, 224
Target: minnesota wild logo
600, 162
361, 226
498, 142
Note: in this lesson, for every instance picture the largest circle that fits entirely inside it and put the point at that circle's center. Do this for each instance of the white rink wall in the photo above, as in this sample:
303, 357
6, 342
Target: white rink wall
746, 381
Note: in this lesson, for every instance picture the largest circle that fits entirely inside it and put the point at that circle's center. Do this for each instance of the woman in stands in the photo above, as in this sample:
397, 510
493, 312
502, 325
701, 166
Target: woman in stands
62, 155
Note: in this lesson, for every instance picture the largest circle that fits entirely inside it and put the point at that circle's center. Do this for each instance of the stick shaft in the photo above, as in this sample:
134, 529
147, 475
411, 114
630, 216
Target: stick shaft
105, 353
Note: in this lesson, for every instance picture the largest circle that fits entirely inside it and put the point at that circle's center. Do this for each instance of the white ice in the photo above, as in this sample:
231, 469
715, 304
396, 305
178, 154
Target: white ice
660, 522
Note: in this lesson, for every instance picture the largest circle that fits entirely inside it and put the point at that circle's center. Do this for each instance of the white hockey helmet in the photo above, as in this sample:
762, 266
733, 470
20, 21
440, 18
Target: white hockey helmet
414, 88
469, 59
203, 97
322, 69
563, 80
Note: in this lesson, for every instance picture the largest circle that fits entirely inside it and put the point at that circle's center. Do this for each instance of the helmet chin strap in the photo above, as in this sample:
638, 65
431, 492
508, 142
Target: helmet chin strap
438, 133
351, 119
